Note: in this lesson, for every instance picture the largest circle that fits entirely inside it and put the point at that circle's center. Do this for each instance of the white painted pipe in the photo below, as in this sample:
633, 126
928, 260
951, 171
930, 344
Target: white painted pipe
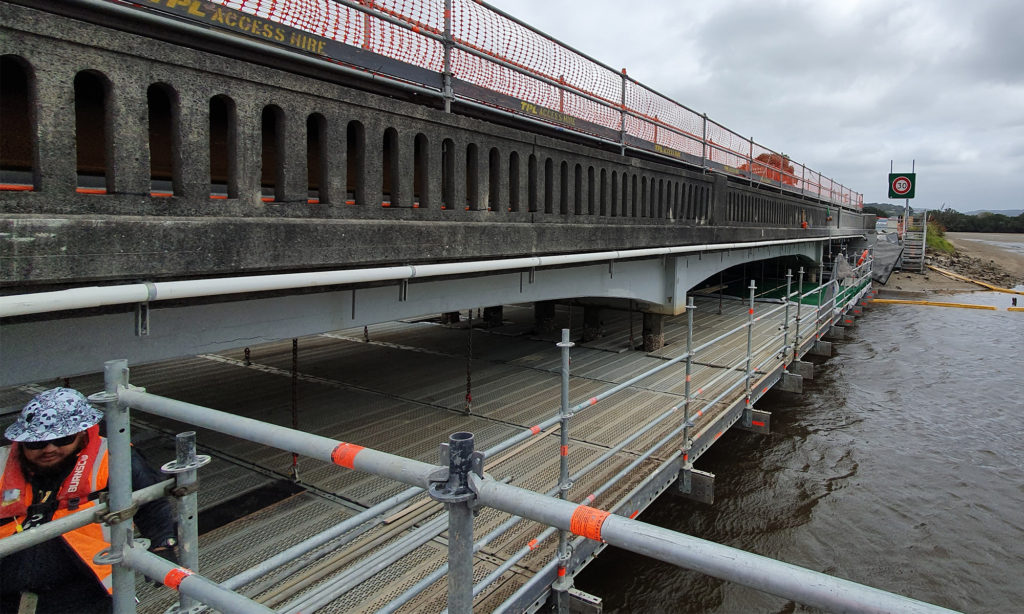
99, 296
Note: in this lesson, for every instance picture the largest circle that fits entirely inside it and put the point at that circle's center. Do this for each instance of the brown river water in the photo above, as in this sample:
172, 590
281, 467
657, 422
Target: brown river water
900, 467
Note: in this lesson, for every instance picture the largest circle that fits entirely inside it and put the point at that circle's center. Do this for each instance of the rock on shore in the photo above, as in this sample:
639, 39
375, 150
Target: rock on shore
975, 268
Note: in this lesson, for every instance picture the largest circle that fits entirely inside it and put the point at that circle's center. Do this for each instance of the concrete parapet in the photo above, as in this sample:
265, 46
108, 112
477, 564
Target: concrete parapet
388, 180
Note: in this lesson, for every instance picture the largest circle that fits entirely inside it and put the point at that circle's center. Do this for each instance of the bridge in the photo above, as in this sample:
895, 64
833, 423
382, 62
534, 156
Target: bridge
184, 178
207, 149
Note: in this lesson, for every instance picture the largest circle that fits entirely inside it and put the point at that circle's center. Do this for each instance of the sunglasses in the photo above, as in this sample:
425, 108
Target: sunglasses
60, 442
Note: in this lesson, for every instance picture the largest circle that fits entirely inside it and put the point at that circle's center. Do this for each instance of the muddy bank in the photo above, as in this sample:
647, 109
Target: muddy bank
997, 259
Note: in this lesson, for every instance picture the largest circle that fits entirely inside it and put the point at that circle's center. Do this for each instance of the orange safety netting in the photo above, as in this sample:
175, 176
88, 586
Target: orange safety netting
535, 69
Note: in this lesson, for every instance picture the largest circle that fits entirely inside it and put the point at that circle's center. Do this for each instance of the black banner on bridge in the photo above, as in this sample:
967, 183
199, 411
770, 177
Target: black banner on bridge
269, 31
464, 89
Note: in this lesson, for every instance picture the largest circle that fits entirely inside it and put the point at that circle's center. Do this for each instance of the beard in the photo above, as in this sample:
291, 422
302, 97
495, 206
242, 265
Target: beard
58, 471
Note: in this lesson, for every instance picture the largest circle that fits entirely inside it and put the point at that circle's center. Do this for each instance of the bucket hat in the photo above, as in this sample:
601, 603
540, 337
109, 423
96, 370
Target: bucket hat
52, 414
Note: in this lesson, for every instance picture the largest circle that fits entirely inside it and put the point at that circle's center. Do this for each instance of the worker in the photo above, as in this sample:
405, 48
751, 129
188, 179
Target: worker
57, 465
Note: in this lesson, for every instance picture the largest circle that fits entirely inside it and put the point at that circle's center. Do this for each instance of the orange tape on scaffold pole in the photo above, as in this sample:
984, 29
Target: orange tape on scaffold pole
345, 454
587, 521
174, 577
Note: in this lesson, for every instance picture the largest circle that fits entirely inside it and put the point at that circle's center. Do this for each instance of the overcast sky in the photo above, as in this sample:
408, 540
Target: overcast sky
843, 86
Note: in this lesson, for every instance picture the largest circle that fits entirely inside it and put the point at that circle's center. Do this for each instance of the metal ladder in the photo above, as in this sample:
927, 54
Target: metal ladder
914, 243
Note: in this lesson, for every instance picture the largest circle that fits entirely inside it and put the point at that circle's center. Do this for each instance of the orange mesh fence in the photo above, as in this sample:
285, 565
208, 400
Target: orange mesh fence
726, 147
522, 71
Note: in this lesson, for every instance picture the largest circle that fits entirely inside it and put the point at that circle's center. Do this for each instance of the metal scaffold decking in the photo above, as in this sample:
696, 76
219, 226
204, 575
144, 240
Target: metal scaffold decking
402, 387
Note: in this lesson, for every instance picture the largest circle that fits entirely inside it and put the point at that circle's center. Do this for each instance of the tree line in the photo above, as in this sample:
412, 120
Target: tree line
954, 221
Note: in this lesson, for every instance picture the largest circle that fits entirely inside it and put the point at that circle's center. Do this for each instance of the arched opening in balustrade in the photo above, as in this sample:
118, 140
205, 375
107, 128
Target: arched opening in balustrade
577, 190
549, 186
591, 196
447, 174
472, 177
494, 180
223, 147
272, 161
634, 200
614, 204
421, 170
660, 213
389, 188
531, 183
563, 188
355, 163
316, 158
93, 145
625, 204
18, 151
164, 142
513, 182
643, 197
688, 201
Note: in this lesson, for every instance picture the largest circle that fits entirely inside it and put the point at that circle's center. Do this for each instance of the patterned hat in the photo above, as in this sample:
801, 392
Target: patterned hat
53, 414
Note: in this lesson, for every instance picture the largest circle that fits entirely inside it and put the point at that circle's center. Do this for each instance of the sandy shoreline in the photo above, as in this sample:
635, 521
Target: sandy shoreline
1001, 249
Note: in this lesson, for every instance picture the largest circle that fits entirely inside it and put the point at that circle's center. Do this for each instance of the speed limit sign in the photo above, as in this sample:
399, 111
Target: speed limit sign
901, 185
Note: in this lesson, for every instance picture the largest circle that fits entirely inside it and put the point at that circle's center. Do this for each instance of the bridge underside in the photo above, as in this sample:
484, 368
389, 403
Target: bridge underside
76, 342
402, 388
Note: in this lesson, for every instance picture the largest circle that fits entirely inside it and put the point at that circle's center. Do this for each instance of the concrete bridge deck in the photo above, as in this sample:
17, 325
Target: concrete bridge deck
403, 391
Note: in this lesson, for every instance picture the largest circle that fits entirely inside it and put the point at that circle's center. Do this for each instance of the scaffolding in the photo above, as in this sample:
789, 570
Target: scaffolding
459, 482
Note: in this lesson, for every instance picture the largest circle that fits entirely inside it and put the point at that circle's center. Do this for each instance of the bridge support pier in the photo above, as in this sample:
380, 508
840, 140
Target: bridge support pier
493, 316
696, 485
451, 317
836, 333
592, 323
821, 348
654, 331
791, 382
760, 422
803, 369
544, 317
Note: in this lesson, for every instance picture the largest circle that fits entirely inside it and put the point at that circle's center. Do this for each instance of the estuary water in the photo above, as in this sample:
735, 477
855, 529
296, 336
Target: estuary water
900, 467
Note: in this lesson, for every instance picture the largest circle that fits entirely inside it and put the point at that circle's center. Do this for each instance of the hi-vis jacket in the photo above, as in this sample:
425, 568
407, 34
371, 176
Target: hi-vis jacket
88, 476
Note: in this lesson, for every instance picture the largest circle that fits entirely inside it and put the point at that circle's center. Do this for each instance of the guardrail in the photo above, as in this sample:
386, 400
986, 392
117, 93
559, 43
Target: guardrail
461, 484
469, 52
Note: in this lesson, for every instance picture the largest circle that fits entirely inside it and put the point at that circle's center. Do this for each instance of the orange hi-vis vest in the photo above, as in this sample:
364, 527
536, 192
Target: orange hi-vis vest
89, 475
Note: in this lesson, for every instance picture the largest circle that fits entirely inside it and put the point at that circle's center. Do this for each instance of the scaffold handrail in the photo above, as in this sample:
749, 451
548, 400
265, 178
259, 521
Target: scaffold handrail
467, 50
